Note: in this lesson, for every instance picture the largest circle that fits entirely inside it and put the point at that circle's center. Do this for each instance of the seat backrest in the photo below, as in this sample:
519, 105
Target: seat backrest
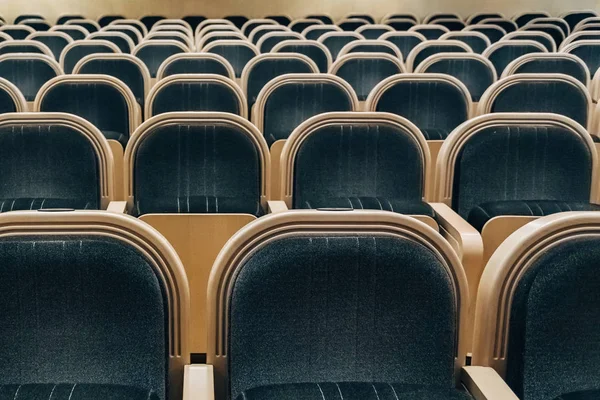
476, 18
522, 19
373, 32
540, 291
352, 24
24, 17
335, 41
262, 30
63, 19
195, 63
237, 20
583, 35
475, 71
213, 22
103, 100
326, 19
28, 72
431, 47
549, 63
301, 24
431, 32
153, 53
271, 39
404, 41
401, 24
431, 18
370, 46
350, 155
452, 24
76, 32
252, 24
17, 32
288, 100
200, 92
558, 22
24, 46
36, 24
477, 41
238, 53
226, 164
435, 103
573, 18
493, 32
366, 17
515, 156
130, 31
557, 34
314, 32
312, 49
150, 20
123, 42
587, 50
125, 67
11, 98
416, 339
105, 20
391, 16
364, 71
176, 36
77, 50
194, 20
67, 162
55, 41
504, 52
262, 69
541, 37
555, 93
139, 27
584, 22
202, 43
284, 20
506, 24
89, 25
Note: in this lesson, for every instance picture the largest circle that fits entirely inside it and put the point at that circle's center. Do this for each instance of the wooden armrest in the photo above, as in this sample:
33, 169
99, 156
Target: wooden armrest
276, 206
484, 383
117, 207
198, 382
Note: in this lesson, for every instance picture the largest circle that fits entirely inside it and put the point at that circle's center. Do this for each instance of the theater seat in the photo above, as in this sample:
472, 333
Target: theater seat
66, 391
431, 32
523, 18
541, 37
477, 41
28, 72
238, 53
194, 63
55, 41
153, 53
335, 41
431, 47
312, 49
549, 63
79, 49
404, 41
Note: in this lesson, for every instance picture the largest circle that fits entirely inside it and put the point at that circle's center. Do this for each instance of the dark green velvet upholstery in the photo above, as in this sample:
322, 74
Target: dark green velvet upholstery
196, 66
197, 168
153, 55
28, 75
65, 391
476, 43
336, 43
555, 66
475, 74
121, 42
207, 95
56, 44
492, 32
503, 56
238, 56
363, 74
312, 51
75, 54
435, 49
405, 43
590, 54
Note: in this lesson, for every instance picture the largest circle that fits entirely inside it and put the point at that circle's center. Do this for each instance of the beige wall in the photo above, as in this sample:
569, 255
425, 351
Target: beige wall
295, 8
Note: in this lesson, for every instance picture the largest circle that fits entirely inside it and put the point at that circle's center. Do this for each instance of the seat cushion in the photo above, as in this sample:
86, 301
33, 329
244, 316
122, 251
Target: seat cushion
593, 394
118, 136
352, 391
482, 213
435, 134
68, 391
372, 203
201, 205
24, 203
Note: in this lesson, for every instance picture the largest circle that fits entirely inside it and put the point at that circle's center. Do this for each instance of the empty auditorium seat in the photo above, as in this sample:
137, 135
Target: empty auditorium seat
4, 37
220, 181
558, 22
377, 161
553, 30
363, 71
585, 22
195, 63
63, 19
125, 67
506, 24
175, 27
238, 53
88, 24
431, 47
587, 50
221, 28
583, 35
150, 20
372, 32
284, 20
385, 297
74, 31
28, 72
55, 41
477, 41
67, 161
11, 99
154, 53
541, 37
352, 24
261, 69
431, 32
316, 31
130, 31
435, 103
17, 32
475, 71
574, 17
476, 18
404, 41
176, 36
504, 52
312, 49
401, 24
77, 50
524, 18
493, 32
452, 24
550, 93
301, 24
207, 22
24, 17
550, 63
335, 41
194, 20
237, 20
115, 304
103, 100
132, 23
288, 100
260, 31
431, 18
371, 46
123, 42
396, 15
537, 307
105, 20
271, 39
24, 46
203, 42
366, 17
196, 92
252, 24
171, 22
326, 19
36, 24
